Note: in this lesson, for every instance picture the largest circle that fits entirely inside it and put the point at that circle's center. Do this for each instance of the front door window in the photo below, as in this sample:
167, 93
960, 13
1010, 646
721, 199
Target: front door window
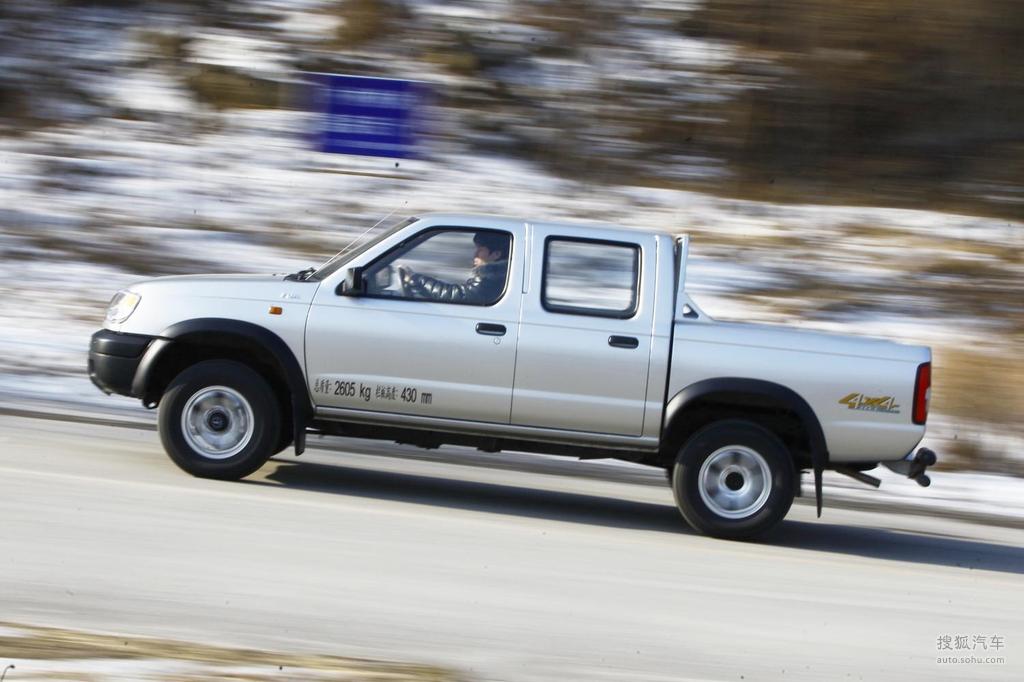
468, 267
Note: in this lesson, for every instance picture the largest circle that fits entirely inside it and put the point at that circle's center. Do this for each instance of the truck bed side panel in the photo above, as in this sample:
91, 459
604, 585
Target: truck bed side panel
847, 392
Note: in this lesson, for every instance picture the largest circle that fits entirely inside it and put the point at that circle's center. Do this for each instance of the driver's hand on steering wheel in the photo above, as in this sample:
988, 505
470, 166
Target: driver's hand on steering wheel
405, 279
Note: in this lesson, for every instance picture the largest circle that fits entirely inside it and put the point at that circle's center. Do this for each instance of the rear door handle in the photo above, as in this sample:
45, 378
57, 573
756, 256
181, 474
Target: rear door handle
623, 341
488, 329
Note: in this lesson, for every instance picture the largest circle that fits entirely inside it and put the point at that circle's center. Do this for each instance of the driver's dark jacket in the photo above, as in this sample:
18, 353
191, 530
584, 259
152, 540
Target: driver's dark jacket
484, 285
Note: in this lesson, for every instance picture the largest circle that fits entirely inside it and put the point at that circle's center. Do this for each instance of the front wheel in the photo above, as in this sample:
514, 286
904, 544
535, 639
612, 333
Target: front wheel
219, 419
733, 479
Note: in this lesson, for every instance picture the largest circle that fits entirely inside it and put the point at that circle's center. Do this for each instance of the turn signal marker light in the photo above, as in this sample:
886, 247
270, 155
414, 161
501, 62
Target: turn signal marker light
276, 310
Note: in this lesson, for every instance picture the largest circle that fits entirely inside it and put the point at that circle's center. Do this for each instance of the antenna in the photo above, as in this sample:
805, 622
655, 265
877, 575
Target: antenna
352, 244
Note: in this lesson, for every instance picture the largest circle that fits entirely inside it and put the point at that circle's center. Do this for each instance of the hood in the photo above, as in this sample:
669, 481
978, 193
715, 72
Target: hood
245, 287
786, 338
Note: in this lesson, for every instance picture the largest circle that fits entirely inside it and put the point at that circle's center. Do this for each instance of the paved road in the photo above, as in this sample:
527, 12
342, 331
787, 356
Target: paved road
515, 572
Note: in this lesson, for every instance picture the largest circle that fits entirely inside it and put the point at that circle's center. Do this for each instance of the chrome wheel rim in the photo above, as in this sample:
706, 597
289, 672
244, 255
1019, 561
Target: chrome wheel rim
735, 482
217, 422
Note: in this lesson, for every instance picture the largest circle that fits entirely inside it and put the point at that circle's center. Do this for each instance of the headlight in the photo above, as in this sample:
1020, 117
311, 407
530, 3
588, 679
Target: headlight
122, 306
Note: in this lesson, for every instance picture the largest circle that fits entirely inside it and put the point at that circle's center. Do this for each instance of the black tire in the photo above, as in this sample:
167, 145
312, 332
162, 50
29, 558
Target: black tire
225, 387
283, 443
745, 455
285, 438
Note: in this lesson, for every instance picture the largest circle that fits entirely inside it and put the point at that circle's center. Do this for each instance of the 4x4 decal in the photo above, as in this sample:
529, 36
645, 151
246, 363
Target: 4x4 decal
859, 401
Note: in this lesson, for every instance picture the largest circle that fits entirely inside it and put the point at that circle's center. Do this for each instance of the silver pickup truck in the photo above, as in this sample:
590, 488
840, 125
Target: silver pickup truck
507, 334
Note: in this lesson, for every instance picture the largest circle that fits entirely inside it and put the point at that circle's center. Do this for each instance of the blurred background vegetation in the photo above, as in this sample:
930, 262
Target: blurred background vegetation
899, 102
911, 103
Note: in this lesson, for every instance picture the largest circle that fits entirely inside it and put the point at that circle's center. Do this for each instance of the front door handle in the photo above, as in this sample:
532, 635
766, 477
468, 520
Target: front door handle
488, 329
623, 341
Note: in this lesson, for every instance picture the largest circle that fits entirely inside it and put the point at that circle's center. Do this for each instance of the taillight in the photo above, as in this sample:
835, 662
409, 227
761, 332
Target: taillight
922, 392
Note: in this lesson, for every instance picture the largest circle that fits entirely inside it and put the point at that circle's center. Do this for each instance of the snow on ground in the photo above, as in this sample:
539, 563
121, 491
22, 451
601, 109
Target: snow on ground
224, 48
143, 90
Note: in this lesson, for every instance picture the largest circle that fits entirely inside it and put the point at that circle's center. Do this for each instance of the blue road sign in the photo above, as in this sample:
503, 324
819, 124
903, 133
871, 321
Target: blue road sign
366, 116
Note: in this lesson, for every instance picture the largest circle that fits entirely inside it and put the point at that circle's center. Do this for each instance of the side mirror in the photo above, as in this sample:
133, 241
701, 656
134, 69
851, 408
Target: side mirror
353, 284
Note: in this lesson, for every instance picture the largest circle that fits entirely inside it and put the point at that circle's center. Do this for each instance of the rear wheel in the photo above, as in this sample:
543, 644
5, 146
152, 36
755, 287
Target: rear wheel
219, 419
733, 479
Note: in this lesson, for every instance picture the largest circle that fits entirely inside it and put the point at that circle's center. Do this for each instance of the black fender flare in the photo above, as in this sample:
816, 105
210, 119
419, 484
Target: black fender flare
195, 330
772, 393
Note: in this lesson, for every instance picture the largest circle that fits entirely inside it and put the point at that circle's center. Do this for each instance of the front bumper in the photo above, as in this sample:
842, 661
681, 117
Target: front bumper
113, 359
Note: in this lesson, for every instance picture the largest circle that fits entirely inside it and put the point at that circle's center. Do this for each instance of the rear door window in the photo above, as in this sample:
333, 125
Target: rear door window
589, 277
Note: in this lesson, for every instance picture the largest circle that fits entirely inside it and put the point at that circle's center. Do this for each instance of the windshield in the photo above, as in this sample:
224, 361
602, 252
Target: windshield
359, 245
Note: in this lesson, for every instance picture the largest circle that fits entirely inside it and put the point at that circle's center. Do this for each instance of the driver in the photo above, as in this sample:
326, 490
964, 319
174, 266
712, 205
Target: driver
486, 279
